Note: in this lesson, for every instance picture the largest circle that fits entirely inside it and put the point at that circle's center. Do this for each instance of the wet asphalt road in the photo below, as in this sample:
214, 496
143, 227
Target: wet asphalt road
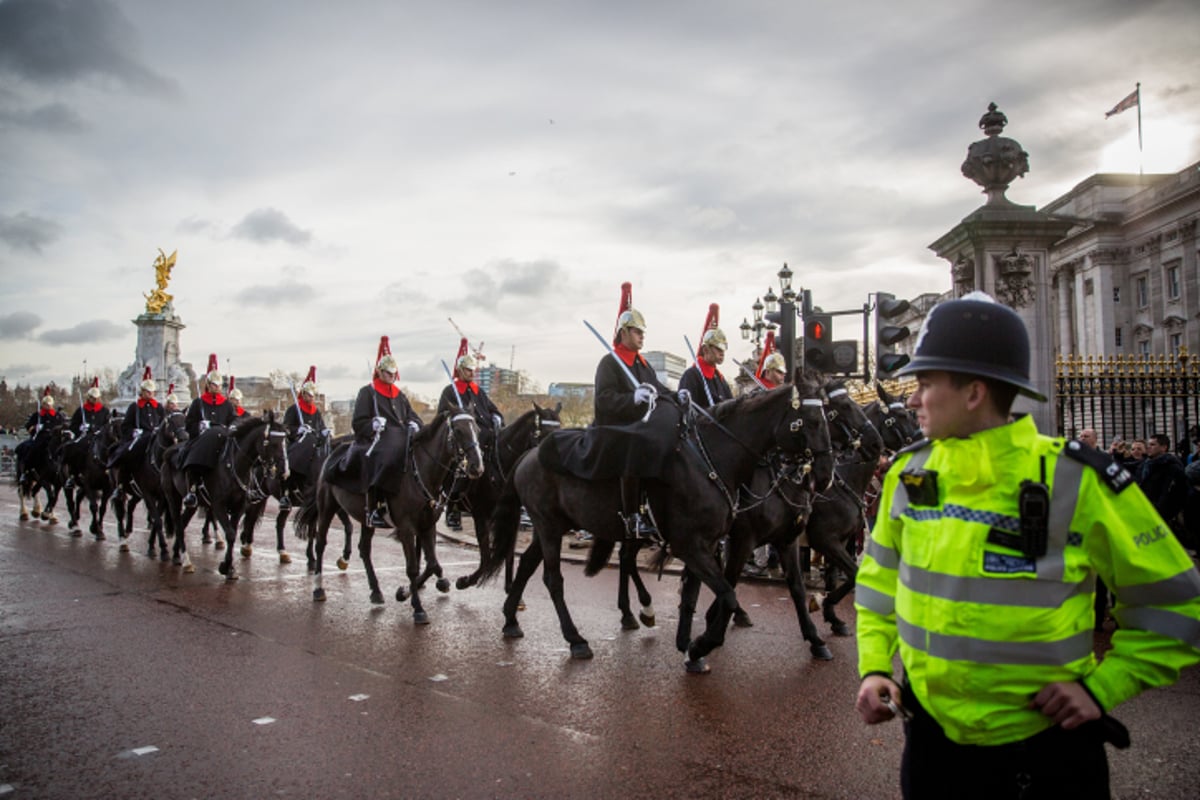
122, 677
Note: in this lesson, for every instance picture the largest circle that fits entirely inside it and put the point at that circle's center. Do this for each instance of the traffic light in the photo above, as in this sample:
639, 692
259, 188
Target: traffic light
888, 335
818, 342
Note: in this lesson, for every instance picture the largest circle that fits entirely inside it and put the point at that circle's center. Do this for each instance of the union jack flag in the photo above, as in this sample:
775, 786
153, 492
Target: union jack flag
1129, 102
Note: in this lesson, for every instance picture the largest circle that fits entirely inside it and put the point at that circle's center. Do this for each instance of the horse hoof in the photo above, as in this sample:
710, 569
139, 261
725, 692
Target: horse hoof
420, 618
219, 544
75, 534
521, 606
95, 528
821, 652
223, 568
401, 594
342, 563
100, 537
164, 556
443, 585
246, 550
513, 632
377, 597
840, 629
51, 518
72, 525
176, 560
124, 548
24, 516
318, 595
206, 540
742, 620
581, 651
629, 623
189, 569
697, 666
312, 566
284, 558
646, 615
232, 576
462, 583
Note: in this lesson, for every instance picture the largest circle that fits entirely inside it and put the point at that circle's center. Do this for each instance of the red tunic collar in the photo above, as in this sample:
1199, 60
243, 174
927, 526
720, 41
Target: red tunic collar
628, 356
48, 412
461, 386
143, 402
706, 369
211, 398
767, 383
307, 408
386, 389
241, 412
91, 407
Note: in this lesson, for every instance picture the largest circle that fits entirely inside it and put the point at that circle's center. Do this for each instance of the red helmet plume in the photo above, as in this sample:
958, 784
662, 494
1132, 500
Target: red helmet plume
384, 359
768, 349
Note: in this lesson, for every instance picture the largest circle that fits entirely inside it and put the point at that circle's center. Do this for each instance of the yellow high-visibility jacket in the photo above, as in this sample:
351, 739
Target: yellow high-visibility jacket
980, 627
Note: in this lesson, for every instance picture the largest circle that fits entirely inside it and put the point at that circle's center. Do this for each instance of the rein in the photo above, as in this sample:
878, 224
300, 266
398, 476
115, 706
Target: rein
458, 464
255, 491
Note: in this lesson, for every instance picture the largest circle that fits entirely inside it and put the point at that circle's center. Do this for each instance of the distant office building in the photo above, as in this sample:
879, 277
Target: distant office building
667, 366
491, 378
571, 391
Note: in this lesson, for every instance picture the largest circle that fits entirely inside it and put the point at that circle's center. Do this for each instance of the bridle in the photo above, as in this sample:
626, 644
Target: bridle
260, 468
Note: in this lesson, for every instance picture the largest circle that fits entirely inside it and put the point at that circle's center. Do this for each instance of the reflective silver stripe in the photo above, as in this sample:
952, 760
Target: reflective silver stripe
1064, 499
1160, 621
884, 556
875, 601
992, 591
900, 497
983, 651
1180, 589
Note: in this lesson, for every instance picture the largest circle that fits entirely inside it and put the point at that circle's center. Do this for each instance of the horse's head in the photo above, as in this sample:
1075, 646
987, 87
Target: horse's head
890, 415
545, 421
268, 440
464, 435
173, 429
848, 424
810, 431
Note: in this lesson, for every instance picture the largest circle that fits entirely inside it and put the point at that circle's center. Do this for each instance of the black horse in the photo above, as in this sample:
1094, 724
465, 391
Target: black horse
891, 417
449, 443
87, 476
39, 469
779, 507
253, 448
692, 502
480, 496
139, 480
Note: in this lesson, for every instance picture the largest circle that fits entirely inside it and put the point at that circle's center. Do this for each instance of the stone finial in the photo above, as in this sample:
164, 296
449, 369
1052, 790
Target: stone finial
994, 162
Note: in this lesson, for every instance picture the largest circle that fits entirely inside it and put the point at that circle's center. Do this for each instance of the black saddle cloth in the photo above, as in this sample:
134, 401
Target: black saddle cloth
350, 468
204, 450
607, 452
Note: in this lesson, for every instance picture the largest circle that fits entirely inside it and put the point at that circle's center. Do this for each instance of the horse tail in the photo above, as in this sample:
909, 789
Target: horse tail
598, 556
305, 521
506, 521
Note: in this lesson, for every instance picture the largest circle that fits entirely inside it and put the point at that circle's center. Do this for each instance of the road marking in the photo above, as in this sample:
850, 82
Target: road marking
439, 678
263, 720
358, 698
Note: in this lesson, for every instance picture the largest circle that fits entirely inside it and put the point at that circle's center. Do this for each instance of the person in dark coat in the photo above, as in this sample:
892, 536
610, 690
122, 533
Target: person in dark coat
464, 393
382, 423
41, 426
772, 368
171, 403
236, 397
208, 420
703, 381
141, 418
308, 438
87, 421
1163, 480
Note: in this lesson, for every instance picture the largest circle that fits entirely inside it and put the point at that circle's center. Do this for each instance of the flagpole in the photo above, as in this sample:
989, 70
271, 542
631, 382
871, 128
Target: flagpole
1141, 167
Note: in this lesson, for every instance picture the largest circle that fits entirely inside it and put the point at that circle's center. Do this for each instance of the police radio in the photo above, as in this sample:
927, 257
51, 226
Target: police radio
1033, 503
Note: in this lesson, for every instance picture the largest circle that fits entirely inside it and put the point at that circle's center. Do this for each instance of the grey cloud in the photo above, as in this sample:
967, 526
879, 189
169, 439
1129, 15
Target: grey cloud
274, 295
26, 232
422, 371
59, 41
18, 325
487, 288
96, 330
268, 225
195, 225
52, 118
1175, 91
18, 371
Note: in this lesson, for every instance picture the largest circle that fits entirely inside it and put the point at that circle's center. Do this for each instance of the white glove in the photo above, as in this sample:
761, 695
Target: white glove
413, 427
204, 425
138, 431
685, 397
378, 424
497, 421
83, 429
327, 433
303, 430
644, 393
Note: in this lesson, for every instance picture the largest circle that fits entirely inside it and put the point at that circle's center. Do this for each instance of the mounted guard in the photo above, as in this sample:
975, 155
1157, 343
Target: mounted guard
772, 368
236, 397
703, 381
465, 394
141, 418
309, 439
172, 400
88, 420
383, 423
208, 420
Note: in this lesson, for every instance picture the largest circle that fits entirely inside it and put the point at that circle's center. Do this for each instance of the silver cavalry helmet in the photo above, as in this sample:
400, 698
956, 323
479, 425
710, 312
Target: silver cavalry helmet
975, 335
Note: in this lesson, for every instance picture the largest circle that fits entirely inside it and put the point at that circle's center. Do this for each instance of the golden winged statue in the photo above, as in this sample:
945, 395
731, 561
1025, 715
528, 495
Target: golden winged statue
158, 299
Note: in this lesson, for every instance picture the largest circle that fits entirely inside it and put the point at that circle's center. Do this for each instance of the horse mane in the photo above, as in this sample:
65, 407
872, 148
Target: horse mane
434, 427
748, 402
251, 426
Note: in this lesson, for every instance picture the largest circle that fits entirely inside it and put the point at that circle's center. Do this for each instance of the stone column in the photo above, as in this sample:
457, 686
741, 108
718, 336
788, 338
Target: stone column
158, 347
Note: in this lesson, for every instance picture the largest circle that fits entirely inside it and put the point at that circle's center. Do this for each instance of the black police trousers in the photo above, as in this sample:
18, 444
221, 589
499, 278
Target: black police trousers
1051, 765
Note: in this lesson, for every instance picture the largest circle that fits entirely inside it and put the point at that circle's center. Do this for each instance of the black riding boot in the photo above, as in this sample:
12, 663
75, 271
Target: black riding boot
637, 526
377, 516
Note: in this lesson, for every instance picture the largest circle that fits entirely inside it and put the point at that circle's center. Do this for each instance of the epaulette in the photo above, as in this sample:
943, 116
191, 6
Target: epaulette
915, 446
1117, 477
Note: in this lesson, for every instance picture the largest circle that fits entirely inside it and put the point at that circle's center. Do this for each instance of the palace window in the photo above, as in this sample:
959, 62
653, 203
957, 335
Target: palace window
1117, 338
1173, 287
1116, 294
1176, 340
1143, 347
1141, 286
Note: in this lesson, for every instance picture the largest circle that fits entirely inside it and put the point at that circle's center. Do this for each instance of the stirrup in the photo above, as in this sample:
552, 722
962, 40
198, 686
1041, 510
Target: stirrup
284, 503
639, 529
189, 499
378, 518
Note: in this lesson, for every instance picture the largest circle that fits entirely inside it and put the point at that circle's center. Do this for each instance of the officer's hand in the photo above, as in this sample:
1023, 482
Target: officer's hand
304, 430
204, 425
872, 699
497, 421
83, 429
327, 433
138, 432
685, 397
378, 424
644, 393
1067, 703
413, 427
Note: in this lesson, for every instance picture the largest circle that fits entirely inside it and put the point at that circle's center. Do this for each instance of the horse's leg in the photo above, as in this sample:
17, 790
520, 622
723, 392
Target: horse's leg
364, 552
280, 522
553, 578
839, 559
73, 507
348, 527
98, 506
689, 593
704, 564
327, 504
629, 573
48, 514
740, 544
646, 612
427, 544
22, 492
483, 536
789, 560
530, 560
412, 567
226, 520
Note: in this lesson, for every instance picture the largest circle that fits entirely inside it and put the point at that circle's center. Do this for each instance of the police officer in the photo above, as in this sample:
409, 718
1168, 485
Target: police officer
468, 395
383, 421
308, 438
619, 402
208, 420
980, 570
703, 381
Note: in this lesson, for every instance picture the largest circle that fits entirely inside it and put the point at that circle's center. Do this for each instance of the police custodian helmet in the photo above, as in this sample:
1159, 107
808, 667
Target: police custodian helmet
975, 335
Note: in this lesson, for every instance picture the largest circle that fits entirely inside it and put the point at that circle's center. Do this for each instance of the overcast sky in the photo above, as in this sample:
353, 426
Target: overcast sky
332, 172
